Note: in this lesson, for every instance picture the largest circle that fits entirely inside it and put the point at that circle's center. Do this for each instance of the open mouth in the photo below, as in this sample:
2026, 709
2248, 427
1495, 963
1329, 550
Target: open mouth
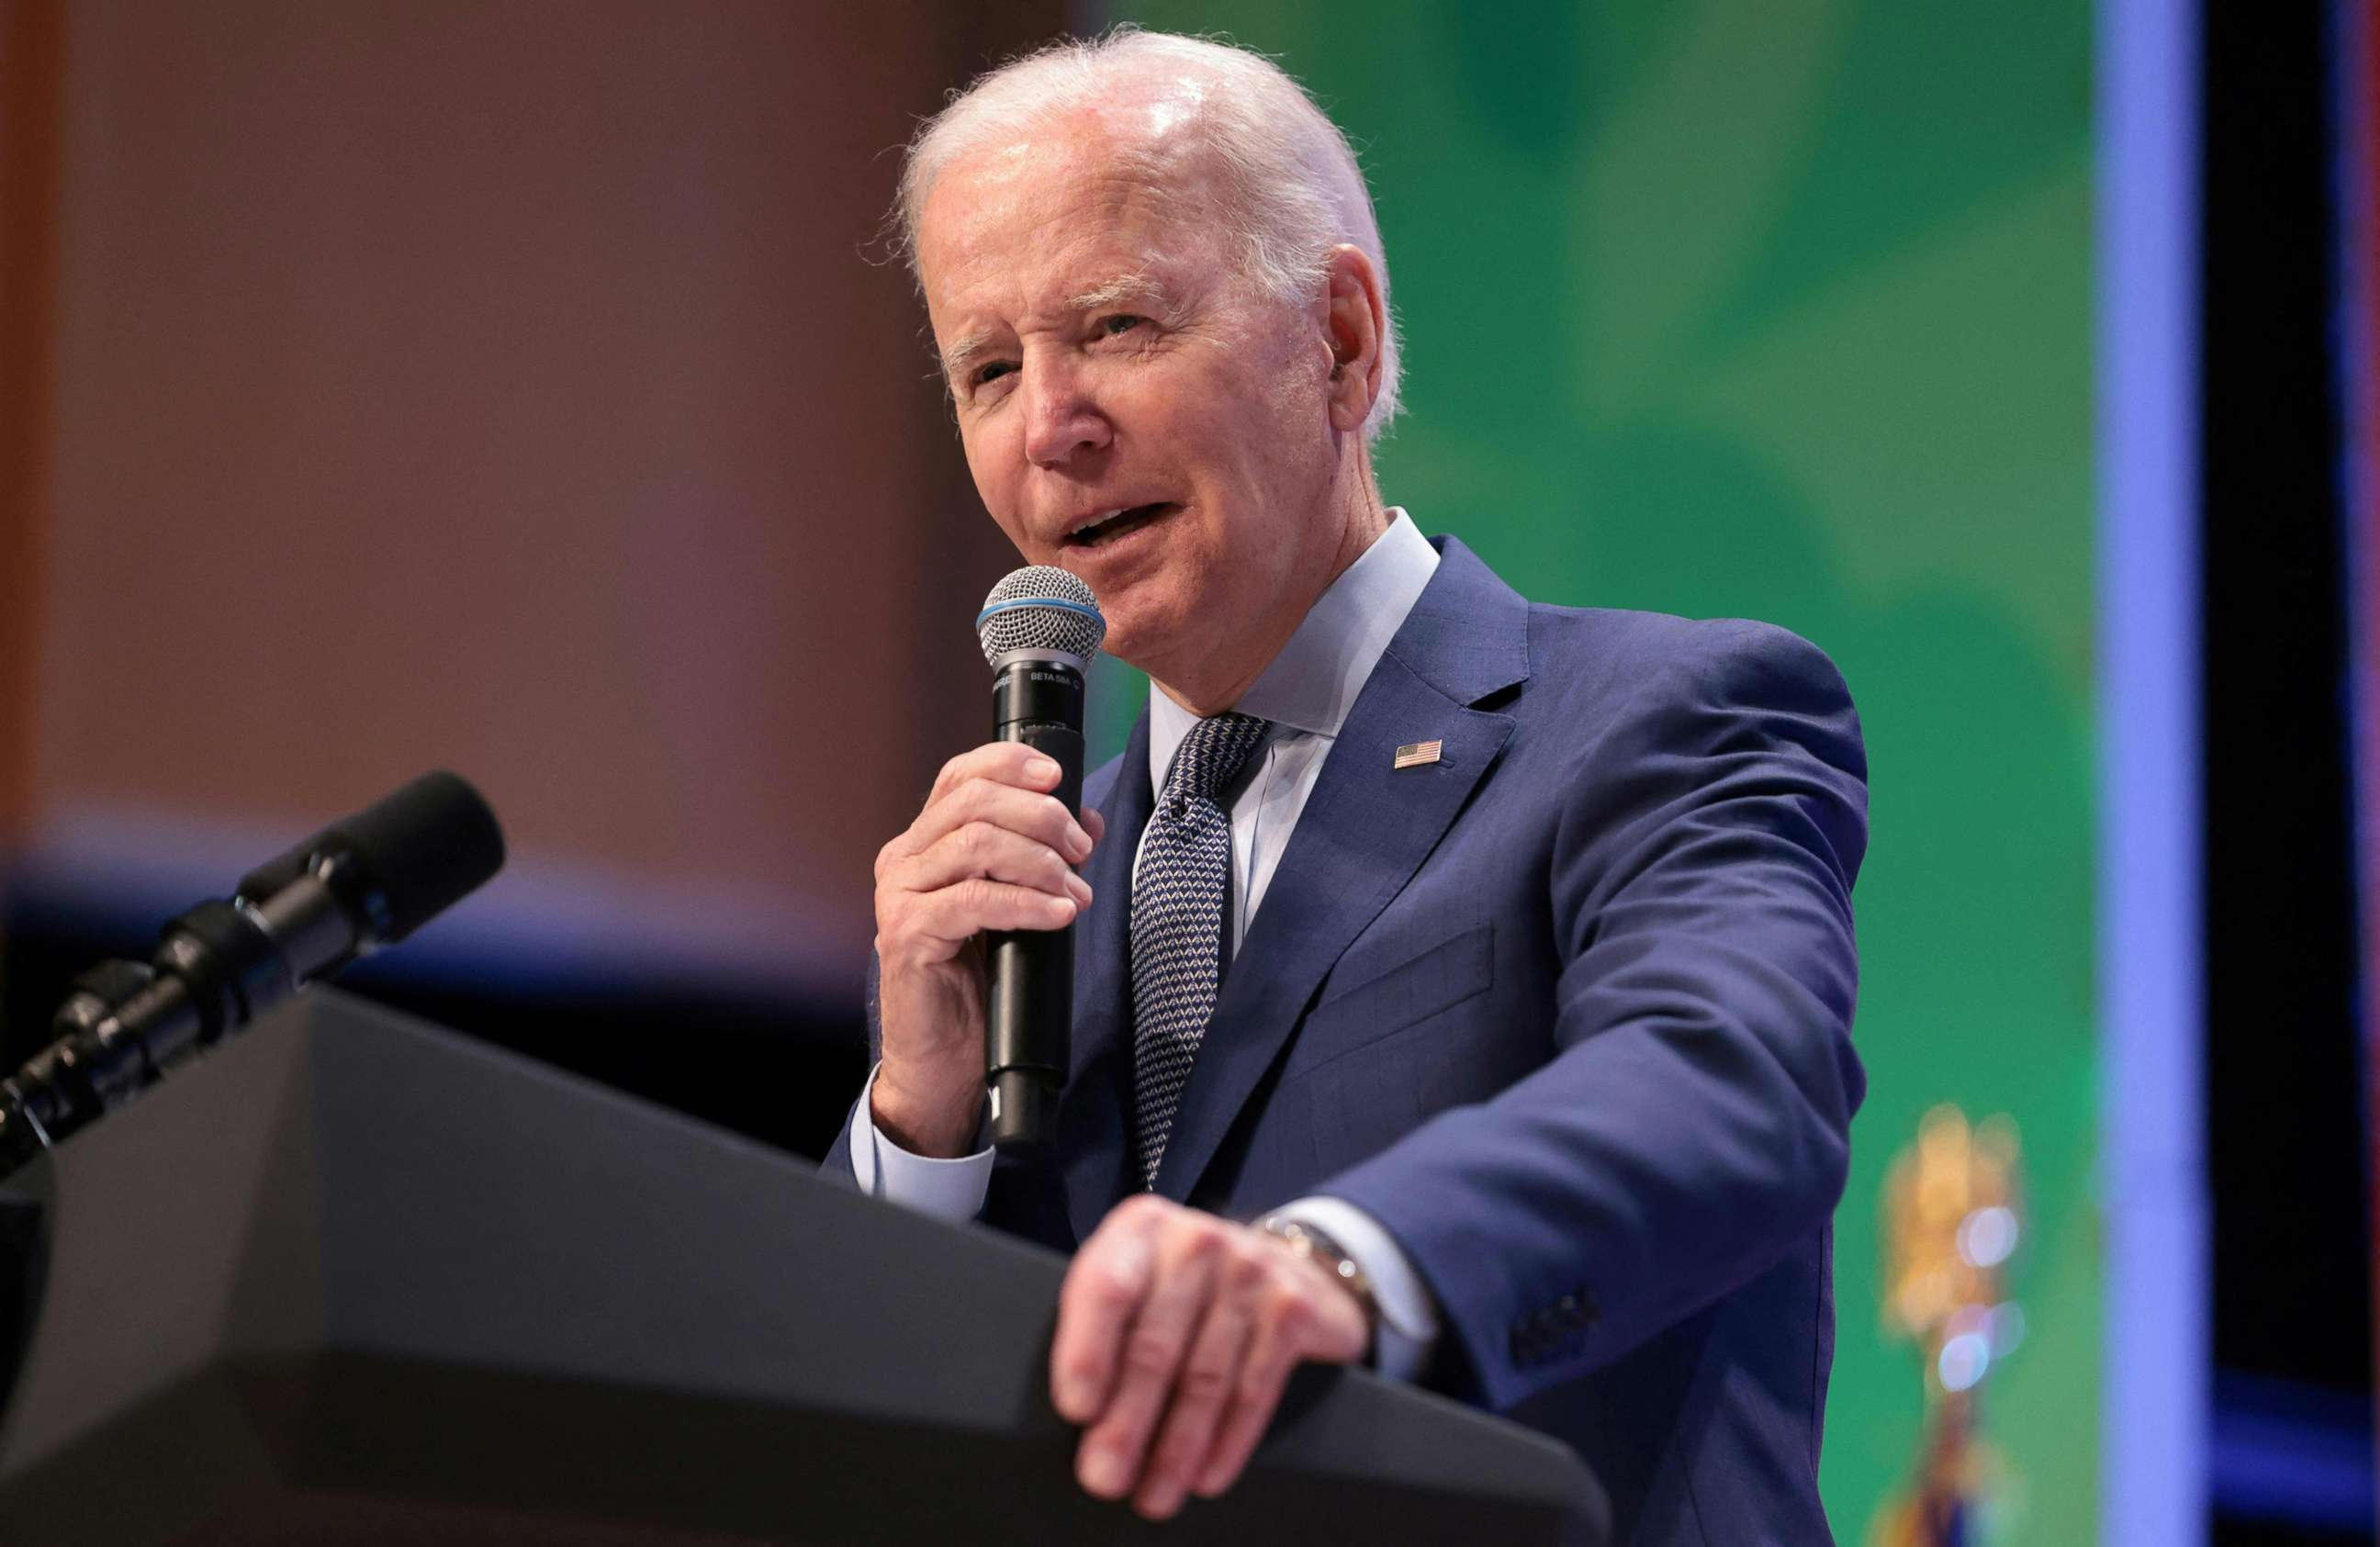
1117, 523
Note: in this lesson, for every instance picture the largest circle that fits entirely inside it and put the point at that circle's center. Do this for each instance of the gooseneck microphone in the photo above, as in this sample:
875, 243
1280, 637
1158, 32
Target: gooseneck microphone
362, 882
1039, 628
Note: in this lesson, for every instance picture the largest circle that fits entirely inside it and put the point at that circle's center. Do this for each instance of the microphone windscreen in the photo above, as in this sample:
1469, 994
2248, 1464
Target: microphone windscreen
1040, 607
424, 848
404, 859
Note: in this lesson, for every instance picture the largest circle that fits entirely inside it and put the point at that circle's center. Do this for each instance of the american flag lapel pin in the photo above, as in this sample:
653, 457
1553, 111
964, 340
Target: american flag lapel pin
1417, 754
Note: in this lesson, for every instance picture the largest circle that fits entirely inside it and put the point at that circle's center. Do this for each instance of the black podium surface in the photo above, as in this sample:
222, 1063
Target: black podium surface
356, 1280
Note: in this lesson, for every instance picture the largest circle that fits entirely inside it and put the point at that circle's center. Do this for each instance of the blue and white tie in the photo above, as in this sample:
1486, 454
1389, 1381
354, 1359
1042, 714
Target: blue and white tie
1177, 922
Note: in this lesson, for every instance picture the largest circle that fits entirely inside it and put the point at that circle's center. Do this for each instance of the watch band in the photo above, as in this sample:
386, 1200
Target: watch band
1316, 1247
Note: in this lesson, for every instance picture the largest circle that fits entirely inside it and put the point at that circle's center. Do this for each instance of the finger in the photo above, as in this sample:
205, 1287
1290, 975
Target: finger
1150, 1358
957, 913
1011, 764
1100, 1296
1276, 1343
1043, 818
1002, 763
1209, 1379
1094, 823
980, 849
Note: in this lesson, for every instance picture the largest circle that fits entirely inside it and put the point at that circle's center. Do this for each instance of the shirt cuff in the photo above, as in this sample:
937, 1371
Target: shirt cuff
949, 1189
1407, 1333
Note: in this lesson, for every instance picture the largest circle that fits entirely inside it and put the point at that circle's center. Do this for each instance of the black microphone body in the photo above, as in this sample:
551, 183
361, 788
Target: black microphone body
1039, 629
361, 884
1037, 699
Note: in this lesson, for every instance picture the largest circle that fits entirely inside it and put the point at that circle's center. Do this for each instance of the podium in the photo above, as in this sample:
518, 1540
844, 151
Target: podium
355, 1280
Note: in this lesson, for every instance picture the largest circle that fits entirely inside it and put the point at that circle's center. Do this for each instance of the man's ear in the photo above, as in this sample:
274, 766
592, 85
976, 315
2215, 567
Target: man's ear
1356, 322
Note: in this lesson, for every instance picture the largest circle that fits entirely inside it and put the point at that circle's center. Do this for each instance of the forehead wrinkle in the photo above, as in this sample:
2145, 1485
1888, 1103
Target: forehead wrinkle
987, 214
1136, 286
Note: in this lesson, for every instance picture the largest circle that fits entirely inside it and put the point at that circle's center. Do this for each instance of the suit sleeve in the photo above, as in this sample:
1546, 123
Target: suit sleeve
1693, 1122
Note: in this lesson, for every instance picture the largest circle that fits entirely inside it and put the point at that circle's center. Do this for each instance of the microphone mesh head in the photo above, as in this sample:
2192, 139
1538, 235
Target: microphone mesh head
1040, 607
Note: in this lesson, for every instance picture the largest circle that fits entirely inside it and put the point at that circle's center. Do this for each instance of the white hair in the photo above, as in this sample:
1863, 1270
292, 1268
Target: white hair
1293, 189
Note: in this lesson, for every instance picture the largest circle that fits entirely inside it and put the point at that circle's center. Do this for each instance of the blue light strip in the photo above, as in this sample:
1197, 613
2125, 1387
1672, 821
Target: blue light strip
2156, 1380
2281, 1451
2356, 338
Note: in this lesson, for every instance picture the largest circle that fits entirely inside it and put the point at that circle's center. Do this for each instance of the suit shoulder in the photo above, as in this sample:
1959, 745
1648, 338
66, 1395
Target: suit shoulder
1637, 682
1632, 652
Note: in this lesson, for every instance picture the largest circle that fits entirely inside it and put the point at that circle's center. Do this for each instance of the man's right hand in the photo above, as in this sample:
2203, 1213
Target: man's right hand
993, 849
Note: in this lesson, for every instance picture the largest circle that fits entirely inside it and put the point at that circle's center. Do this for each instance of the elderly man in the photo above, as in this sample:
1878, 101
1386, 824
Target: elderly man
1502, 952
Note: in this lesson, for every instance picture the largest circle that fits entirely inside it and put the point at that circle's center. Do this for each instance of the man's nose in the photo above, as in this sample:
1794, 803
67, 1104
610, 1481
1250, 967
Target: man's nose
1061, 421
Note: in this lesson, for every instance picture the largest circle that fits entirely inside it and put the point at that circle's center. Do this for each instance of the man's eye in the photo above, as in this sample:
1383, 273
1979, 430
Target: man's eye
986, 375
1123, 322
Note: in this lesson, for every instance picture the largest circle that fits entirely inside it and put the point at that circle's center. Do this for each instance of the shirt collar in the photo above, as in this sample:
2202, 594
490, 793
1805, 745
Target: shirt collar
1312, 683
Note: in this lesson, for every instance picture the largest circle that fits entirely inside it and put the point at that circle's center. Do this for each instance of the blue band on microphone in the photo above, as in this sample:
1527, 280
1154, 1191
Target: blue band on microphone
1059, 602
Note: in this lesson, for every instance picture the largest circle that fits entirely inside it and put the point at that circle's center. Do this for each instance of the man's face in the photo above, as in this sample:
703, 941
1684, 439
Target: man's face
1104, 356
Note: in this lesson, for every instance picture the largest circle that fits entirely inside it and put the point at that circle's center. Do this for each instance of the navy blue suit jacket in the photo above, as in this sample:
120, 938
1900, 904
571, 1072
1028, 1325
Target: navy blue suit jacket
1567, 1012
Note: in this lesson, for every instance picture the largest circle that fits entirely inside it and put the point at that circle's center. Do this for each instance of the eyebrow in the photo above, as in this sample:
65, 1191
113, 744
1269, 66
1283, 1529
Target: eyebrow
1129, 288
1136, 286
965, 353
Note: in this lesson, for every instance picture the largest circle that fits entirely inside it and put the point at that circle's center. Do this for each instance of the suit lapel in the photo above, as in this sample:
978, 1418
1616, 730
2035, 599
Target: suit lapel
1093, 1138
1365, 829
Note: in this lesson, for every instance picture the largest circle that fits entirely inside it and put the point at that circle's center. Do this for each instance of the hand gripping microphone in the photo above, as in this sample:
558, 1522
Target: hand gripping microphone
1039, 628
362, 882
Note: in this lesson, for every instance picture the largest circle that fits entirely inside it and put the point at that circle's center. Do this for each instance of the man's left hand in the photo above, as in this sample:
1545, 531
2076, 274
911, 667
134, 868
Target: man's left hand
1176, 1334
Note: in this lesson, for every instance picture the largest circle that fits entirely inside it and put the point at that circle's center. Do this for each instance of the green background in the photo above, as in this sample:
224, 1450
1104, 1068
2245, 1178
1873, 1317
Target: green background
1780, 309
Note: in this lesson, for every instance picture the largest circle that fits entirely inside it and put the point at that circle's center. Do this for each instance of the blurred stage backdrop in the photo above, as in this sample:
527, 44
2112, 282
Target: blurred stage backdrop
521, 389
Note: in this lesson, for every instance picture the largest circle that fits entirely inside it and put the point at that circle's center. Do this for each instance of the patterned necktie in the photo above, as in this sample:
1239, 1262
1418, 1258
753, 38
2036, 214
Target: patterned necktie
1177, 922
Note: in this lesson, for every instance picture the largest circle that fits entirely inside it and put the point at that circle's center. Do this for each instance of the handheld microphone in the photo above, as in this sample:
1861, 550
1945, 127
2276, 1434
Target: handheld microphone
1039, 628
365, 882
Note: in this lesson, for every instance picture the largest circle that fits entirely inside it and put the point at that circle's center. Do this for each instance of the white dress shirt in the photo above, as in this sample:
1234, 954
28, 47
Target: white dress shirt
1306, 693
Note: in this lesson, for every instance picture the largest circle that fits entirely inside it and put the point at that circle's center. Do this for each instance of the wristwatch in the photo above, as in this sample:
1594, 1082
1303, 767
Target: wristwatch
1317, 1248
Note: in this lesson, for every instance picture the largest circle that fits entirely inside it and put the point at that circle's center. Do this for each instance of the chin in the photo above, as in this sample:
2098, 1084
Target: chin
1123, 643
1135, 639
1150, 626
